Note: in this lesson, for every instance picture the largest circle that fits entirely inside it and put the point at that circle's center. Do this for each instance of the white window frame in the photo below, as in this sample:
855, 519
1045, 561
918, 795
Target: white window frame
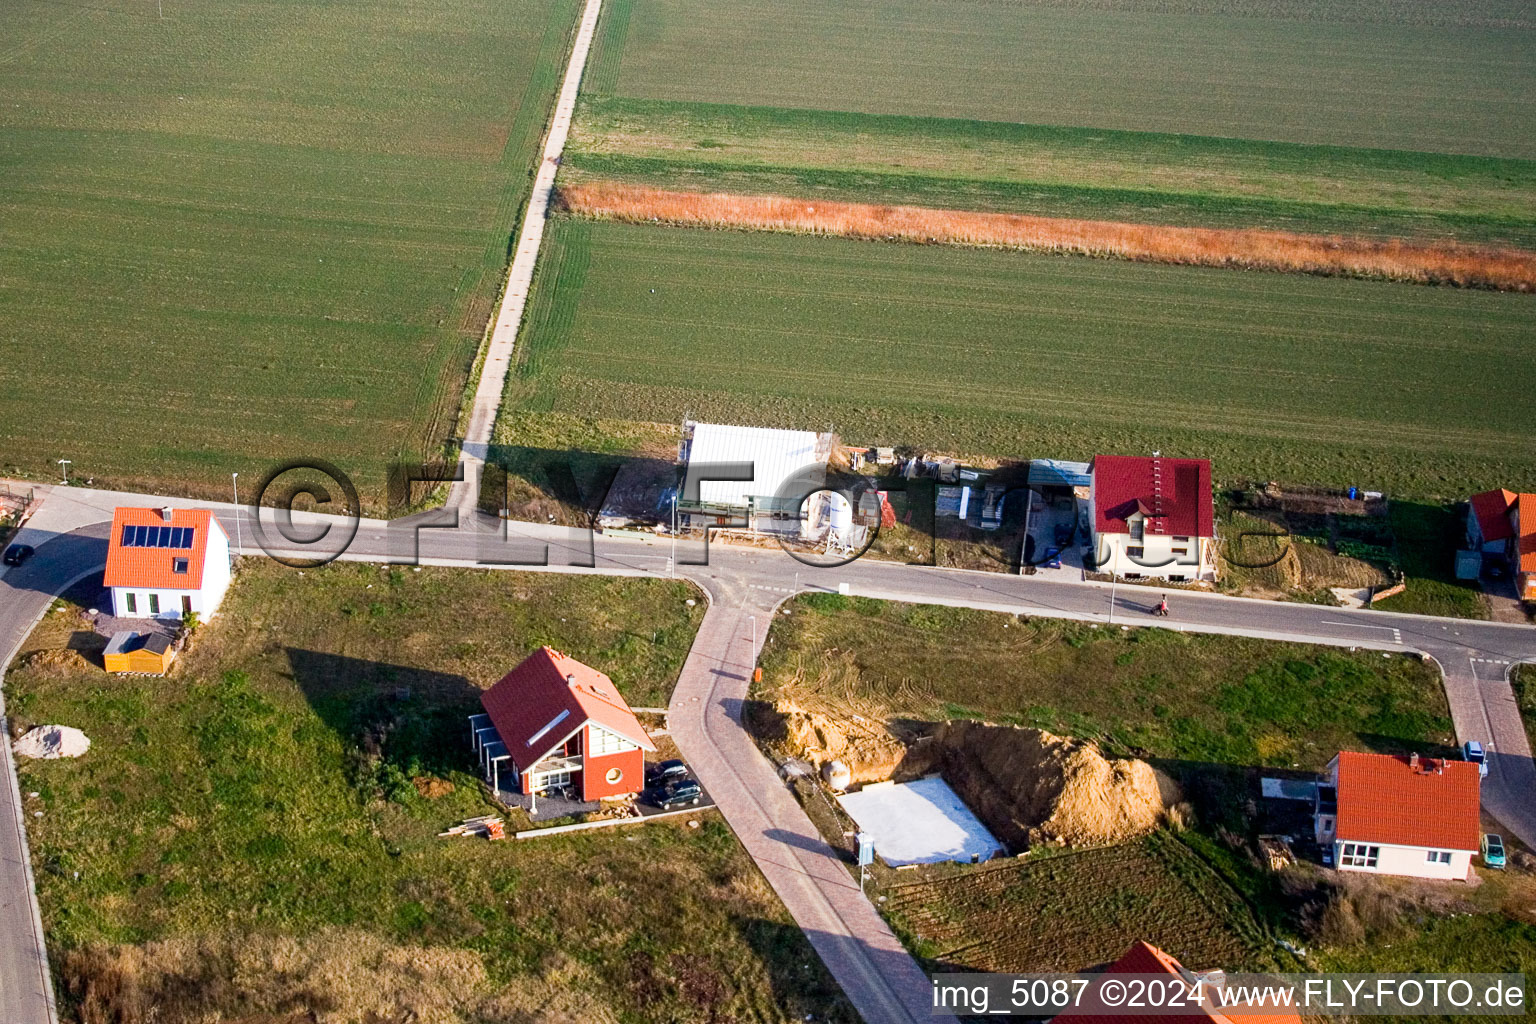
1359, 855
1437, 856
604, 742
551, 780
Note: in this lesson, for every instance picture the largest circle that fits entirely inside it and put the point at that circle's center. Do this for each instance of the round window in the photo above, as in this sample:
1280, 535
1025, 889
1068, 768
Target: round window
614, 775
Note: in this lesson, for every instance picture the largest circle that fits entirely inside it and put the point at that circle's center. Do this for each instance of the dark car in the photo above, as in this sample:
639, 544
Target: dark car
669, 771
17, 553
684, 793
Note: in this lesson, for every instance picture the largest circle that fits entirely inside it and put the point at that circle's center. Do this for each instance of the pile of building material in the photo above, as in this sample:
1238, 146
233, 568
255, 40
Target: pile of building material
48, 742
863, 744
1032, 787
489, 825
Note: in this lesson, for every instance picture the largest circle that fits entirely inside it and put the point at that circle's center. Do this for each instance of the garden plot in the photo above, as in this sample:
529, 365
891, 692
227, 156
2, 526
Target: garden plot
920, 822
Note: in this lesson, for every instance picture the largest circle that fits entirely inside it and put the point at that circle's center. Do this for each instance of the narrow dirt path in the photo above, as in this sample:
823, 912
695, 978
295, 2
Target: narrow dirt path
498, 355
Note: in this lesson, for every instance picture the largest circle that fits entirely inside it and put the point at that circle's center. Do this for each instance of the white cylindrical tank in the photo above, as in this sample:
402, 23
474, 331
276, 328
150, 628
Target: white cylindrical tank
840, 513
837, 775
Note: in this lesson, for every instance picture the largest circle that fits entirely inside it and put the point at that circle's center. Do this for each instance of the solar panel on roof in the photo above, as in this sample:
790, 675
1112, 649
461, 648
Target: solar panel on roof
158, 536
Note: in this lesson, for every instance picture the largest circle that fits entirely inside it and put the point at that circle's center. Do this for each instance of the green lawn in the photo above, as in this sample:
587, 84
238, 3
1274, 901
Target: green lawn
1414, 75
1524, 680
1086, 173
1271, 376
1161, 694
253, 232
243, 837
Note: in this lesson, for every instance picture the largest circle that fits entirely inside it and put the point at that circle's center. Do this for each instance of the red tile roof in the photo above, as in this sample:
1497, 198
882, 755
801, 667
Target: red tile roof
1492, 511
152, 568
1383, 798
1174, 495
1145, 958
549, 696
1525, 512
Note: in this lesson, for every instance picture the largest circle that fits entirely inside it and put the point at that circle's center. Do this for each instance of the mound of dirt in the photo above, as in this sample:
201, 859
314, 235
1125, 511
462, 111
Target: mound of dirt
1029, 786
48, 742
59, 660
432, 787
870, 752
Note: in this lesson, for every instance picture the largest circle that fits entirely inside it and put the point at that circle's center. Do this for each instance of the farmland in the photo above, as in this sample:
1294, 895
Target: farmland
252, 232
1078, 909
1018, 355
264, 805
1413, 75
1088, 173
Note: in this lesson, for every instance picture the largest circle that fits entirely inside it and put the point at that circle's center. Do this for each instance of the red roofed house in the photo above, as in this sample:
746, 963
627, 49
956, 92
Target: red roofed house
1503, 523
1392, 815
563, 724
1146, 959
163, 563
1153, 517
1525, 547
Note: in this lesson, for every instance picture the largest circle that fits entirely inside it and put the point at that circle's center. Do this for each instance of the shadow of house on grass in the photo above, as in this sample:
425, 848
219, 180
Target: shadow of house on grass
407, 716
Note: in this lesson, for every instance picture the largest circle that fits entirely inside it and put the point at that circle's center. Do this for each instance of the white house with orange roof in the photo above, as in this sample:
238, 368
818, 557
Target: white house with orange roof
165, 563
1400, 814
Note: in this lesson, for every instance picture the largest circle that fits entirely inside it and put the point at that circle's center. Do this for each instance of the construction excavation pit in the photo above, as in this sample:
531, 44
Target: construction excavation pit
1026, 787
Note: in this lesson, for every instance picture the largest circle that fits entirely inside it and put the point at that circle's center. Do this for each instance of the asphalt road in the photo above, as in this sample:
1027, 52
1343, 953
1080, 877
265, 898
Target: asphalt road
744, 585
26, 990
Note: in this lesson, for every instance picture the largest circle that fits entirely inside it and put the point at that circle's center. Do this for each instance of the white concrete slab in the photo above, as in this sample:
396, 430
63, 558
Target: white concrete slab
920, 822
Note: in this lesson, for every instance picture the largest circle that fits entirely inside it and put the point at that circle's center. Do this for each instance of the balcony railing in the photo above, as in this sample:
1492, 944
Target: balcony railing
556, 764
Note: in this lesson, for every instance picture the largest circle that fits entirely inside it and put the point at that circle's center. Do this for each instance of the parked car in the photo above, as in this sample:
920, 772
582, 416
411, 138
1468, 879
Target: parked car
1473, 751
17, 553
669, 771
1493, 851
678, 793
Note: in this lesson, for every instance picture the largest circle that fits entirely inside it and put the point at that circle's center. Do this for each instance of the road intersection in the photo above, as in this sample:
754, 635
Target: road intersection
744, 587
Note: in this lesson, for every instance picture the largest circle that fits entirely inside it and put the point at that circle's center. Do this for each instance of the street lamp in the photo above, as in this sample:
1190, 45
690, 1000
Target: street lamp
64, 466
234, 483
672, 561
753, 619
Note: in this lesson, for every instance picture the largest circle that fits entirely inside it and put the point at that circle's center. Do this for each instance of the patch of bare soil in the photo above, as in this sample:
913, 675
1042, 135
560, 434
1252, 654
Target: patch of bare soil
1392, 259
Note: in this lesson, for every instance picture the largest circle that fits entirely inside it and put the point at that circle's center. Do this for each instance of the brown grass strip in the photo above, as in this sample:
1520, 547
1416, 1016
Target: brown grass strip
1395, 260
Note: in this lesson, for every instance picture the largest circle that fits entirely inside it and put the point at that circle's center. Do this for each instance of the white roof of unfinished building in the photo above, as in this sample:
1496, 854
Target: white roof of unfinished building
775, 455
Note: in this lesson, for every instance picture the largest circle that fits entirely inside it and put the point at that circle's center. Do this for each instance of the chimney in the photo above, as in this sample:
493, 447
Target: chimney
1413, 760
166, 513
570, 679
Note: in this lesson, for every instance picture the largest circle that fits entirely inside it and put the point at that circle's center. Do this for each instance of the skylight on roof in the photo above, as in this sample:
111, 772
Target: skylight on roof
562, 716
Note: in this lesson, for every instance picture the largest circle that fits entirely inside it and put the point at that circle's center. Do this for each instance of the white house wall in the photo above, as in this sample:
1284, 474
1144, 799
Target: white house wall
205, 601
1409, 861
1157, 560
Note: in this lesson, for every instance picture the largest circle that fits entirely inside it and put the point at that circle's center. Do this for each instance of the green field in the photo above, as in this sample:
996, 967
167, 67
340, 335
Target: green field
1415, 391
252, 232
1181, 698
1088, 173
1410, 74
246, 838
